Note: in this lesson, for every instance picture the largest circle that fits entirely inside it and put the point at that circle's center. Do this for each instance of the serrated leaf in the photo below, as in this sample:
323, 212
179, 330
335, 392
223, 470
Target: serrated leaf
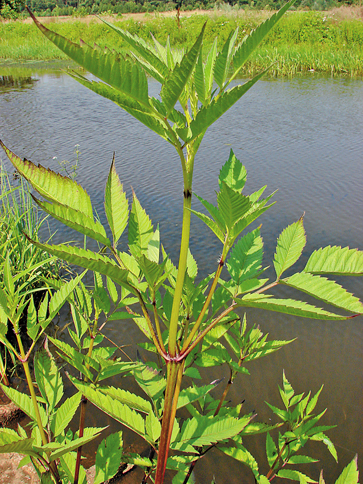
141, 112
176, 81
320, 437
246, 257
142, 49
232, 205
206, 431
122, 74
32, 326
75, 358
48, 378
64, 414
294, 475
118, 411
52, 186
68, 463
89, 260
152, 427
301, 459
76, 220
22, 446
24, 402
150, 381
59, 298
240, 453
116, 204
233, 173
211, 224
288, 306
108, 457
192, 394
140, 229
289, 247
250, 43
223, 60
127, 398
325, 290
350, 474
209, 114
74, 444
271, 450
336, 260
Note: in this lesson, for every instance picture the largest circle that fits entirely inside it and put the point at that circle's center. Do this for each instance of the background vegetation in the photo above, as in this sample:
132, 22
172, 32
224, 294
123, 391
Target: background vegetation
302, 41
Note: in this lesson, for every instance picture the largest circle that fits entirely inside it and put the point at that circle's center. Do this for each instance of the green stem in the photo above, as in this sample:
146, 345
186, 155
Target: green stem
173, 328
4, 378
52, 465
207, 301
82, 416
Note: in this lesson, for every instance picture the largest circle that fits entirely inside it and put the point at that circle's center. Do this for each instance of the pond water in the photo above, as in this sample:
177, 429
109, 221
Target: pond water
303, 137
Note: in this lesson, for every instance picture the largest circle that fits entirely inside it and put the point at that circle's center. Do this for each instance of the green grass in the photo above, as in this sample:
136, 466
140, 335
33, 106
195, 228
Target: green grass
20, 216
300, 42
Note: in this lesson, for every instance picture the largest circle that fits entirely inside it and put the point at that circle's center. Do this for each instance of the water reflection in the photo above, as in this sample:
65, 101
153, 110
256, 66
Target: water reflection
13, 83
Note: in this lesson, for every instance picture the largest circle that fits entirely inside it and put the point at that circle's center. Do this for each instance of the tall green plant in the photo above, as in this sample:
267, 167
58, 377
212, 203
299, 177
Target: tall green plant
185, 321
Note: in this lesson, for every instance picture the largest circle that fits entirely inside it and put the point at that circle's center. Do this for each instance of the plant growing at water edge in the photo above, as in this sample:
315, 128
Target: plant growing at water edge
181, 318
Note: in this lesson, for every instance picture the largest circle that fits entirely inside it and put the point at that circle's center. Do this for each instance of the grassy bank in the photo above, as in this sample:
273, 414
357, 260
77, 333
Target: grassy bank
301, 42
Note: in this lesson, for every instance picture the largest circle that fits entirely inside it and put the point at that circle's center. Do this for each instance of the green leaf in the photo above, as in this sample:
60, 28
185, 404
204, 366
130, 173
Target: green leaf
48, 378
73, 445
271, 450
240, 453
116, 205
76, 220
108, 457
150, 381
320, 437
251, 42
32, 325
140, 229
8, 277
143, 113
246, 257
207, 430
152, 427
22, 446
118, 411
209, 114
24, 402
127, 398
233, 173
64, 414
223, 60
301, 459
52, 186
337, 261
192, 394
350, 474
294, 475
153, 249
68, 463
290, 245
59, 298
211, 224
287, 306
75, 358
176, 81
89, 260
232, 205
325, 290
122, 74
143, 50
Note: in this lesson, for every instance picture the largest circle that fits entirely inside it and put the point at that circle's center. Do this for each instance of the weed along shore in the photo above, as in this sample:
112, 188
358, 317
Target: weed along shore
329, 42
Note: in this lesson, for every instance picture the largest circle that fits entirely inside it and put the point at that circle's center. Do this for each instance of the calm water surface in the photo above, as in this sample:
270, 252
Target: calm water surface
303, 137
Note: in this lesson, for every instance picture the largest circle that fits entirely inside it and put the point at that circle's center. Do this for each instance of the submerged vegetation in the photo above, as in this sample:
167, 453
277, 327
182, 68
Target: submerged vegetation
302, 41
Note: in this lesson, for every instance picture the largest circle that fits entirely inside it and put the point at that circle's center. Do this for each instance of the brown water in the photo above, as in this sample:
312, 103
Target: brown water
302, 136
